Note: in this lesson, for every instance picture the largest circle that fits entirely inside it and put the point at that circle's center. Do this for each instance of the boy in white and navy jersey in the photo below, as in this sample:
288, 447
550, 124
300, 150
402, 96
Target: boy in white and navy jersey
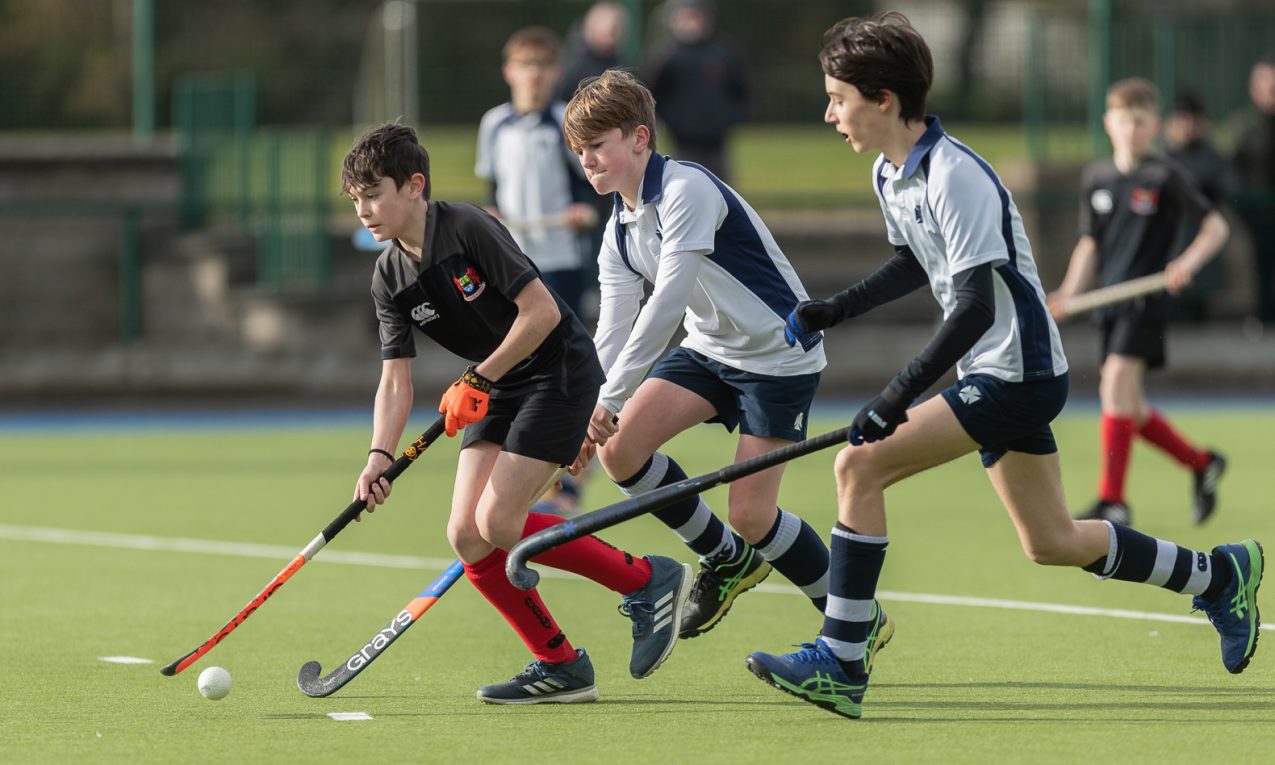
715, 270
536, 187
955, 228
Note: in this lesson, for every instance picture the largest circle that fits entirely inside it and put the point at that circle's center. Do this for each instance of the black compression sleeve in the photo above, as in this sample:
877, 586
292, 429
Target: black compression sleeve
900, 275
973, 315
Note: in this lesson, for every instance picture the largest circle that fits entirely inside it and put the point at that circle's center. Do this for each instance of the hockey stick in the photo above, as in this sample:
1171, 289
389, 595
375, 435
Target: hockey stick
308, 680
571, 529
1116, 293
409, 456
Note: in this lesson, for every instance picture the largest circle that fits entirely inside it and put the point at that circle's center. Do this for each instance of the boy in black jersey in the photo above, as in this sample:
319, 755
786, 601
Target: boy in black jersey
453, 272
1130, 214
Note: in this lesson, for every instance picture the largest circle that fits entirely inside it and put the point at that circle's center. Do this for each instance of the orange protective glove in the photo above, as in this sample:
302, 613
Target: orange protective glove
465, 402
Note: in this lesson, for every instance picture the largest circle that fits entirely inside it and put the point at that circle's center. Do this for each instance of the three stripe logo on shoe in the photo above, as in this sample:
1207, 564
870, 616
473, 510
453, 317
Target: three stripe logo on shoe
663, 612
547, 685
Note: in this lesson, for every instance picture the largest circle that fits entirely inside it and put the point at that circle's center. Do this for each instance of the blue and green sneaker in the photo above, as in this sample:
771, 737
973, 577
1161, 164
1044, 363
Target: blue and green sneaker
1234, 612
716, 587
812, 674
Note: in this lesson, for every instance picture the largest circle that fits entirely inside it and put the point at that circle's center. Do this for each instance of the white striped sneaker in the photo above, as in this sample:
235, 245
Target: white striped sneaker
544, 683
656, 611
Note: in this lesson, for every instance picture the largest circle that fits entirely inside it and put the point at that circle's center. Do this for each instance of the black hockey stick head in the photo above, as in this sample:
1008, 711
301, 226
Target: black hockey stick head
309, 682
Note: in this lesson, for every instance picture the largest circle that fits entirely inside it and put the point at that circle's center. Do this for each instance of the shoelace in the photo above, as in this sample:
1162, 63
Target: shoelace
809, 654
642, 614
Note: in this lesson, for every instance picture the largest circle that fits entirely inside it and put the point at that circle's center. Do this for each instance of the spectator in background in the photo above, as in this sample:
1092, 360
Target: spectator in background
537, 187
593, 48
1255, 167
700, 86
1186, 139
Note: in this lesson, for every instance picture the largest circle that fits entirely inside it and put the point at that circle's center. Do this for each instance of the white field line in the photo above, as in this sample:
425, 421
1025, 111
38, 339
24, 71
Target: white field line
346, 716
378, 560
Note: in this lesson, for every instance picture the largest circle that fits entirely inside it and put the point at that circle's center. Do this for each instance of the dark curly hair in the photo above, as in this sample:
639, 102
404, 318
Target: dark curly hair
388, 151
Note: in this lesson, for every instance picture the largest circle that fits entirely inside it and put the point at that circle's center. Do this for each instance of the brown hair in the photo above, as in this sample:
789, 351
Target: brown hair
541, 40
614, 100
388, 151
879, 53
1133, 93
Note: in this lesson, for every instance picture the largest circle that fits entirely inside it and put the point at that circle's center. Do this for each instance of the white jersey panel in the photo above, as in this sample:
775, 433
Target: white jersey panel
526, 156
952, 210
733, 292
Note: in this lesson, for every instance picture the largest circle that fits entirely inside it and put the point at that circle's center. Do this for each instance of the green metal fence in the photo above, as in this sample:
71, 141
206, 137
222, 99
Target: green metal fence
274, 183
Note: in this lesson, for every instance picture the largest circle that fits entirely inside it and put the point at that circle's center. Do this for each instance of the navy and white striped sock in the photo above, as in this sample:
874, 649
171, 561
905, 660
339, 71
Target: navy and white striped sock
854, 567
1135, 557
691, 519
797, 552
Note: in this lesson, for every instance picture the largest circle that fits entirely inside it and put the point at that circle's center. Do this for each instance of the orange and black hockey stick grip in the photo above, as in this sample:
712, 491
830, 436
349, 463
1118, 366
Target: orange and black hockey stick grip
414, 450
524, 578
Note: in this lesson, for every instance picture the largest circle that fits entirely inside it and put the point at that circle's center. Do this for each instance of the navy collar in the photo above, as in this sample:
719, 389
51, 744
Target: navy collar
653, 179
933, 132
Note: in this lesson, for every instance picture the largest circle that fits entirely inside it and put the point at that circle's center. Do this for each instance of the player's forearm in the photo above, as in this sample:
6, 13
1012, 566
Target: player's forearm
899, 276
1083, 267
653, 329
974, 314
1213, 234
537, 317
392, 406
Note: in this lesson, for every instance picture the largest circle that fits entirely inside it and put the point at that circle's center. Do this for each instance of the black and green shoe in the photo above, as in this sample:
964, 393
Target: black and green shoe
716, 587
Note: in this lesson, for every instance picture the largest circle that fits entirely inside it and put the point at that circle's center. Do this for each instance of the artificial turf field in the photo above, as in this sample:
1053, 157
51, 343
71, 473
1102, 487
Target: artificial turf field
963, 681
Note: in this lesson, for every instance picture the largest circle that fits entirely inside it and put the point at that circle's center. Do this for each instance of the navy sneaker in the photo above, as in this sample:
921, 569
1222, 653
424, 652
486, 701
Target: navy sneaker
1102, 510
812, 674
544, 683
656, 611
1234, 613
716, 587
1206, 487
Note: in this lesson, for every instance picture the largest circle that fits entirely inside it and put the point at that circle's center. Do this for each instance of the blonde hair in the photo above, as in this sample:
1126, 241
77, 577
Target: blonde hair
614, 100
533, 40
1133, 93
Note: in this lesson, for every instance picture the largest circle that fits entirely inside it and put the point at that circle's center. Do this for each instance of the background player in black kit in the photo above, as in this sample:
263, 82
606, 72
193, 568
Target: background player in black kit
1133, 205
453, 272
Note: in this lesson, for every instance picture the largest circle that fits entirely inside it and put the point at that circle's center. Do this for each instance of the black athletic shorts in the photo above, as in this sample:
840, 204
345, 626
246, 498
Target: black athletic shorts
1135, 335
544, 425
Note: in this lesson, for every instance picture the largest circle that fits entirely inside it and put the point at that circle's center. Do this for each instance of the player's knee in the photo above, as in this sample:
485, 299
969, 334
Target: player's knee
619, 462
752, 522
464, 538
1047, 552
500, 529
853, 467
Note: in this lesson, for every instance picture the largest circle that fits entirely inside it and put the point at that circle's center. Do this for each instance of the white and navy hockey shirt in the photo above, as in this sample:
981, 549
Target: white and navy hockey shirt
949, 206
535, 177
715, 268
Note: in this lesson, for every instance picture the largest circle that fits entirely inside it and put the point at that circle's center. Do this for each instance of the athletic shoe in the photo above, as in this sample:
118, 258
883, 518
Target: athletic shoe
656, 611
717, 586
544, 683
882, 631
1102, 510
1206, 487
1234, 613
812, 674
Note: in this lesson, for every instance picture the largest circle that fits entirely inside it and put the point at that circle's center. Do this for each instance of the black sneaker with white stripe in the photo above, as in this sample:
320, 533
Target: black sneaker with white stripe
656, 611
1206, 487
544, 683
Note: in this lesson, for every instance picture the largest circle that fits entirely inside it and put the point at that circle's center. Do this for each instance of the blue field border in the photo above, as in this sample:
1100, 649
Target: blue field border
266, 418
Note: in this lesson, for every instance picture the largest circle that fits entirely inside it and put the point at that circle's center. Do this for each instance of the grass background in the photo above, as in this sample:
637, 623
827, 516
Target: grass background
959, 684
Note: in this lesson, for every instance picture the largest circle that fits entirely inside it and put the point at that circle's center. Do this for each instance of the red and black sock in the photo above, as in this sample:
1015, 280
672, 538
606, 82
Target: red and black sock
524, 610
1116, 440
591, 558
1159, 432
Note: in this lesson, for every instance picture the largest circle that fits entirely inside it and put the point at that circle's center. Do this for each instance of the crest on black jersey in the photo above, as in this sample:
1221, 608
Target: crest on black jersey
470, 284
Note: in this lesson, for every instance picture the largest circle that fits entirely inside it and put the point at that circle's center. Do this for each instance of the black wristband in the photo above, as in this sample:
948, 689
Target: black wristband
475, 380
388, 455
